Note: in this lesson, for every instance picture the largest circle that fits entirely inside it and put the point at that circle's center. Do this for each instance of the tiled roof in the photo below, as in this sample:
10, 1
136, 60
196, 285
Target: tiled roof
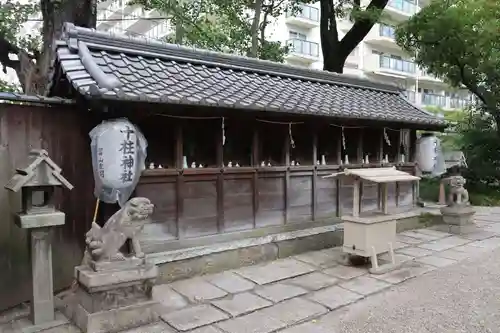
122, 68
32, 99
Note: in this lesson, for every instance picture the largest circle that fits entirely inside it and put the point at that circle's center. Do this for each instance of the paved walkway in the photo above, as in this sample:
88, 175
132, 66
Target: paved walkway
442, 287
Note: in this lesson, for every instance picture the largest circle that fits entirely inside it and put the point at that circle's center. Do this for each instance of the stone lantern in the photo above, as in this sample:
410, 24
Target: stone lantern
36, 182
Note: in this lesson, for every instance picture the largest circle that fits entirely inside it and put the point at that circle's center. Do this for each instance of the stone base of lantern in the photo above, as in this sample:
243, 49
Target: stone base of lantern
113, 300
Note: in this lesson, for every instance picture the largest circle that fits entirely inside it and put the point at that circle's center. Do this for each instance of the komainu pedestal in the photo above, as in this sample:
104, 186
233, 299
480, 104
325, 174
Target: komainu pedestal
458, 215
113, 291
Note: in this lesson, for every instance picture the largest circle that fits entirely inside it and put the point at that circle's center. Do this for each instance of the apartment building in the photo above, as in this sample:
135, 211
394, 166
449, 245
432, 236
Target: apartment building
378, 57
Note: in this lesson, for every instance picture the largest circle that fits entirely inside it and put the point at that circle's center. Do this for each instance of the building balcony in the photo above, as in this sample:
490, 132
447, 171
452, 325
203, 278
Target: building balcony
303, 50
396, 67
306, 17
459, 103
434, 100
401, 9
384, 37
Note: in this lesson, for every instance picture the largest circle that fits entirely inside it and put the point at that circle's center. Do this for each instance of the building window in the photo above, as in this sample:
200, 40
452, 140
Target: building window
396, 63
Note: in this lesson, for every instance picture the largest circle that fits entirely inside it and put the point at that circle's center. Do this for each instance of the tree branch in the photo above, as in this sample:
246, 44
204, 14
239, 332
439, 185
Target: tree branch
362, 26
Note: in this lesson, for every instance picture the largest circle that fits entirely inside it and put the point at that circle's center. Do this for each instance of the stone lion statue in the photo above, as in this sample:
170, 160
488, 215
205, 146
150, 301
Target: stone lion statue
103, 244
457, 194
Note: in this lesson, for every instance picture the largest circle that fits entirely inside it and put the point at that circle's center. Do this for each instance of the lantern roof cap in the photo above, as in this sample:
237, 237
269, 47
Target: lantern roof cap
38, 171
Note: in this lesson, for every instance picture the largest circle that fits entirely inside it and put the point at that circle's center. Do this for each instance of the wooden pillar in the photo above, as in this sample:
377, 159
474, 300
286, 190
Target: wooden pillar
287, 177
220, 182
340, 156
360, 156
355, 197
381, 147
255, 180
385, 209
179, 153
442, 193
315, 177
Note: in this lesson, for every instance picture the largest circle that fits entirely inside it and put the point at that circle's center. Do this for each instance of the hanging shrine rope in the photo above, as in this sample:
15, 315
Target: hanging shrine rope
343, 139
292, 143
386, 137
223, 132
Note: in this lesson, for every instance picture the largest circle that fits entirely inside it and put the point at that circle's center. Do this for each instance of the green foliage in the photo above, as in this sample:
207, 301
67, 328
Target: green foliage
224, 26
458, 40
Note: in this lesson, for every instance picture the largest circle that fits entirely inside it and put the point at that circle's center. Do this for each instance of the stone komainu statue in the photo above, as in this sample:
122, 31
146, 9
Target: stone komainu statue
103, 244
458, 195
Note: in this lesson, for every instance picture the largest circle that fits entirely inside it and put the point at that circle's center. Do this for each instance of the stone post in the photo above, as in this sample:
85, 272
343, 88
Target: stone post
42, 299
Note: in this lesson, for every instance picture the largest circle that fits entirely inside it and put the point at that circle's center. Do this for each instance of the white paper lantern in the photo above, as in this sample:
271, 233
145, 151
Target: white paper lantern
118, 156
427, 152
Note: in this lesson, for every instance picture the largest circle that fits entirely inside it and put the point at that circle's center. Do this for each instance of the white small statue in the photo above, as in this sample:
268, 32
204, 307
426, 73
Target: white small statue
160, 167
262, 164
323, 160
318, 162
297, 164
237, 165
184, 162
386, 159
151, 165
402, 160
367, 161
230, 164
292, 163
193, 165
346, 159
200, 165
269, 164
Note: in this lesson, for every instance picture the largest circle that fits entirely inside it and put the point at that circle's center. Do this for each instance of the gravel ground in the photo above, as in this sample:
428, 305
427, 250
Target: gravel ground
464, 297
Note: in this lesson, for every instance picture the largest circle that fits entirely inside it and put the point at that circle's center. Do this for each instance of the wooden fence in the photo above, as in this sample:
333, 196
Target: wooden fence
62, 130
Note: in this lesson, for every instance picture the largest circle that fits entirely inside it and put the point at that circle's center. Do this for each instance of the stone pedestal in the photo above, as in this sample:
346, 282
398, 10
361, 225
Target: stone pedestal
458, 219
112, 297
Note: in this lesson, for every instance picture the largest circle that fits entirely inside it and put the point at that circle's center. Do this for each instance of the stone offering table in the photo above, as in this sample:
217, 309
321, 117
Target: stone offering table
113, 291
370, 234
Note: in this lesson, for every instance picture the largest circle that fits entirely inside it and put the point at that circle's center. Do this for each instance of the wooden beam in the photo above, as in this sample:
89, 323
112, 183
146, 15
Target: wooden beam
339, 147
355, 197
384, 198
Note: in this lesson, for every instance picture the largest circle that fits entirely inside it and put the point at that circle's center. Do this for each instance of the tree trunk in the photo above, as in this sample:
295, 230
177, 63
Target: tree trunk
334, 63
35, 76
254, 50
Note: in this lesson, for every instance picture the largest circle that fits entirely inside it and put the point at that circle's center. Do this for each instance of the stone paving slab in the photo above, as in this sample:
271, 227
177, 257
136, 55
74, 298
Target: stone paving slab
478, 235
159, 327
230, 282
194, 317
418, 235
279, 292
256, 322
399, 245
454, 254
490, 243
408, 240
198, 290
345, 272
365, 285
313, 281
444, 243
415, 252
404, 273
168, 298
436, 261
334, 297
399, 257
275, 271
241, 304
205, 329
295, 311
431, 232
322, 259
309, 327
